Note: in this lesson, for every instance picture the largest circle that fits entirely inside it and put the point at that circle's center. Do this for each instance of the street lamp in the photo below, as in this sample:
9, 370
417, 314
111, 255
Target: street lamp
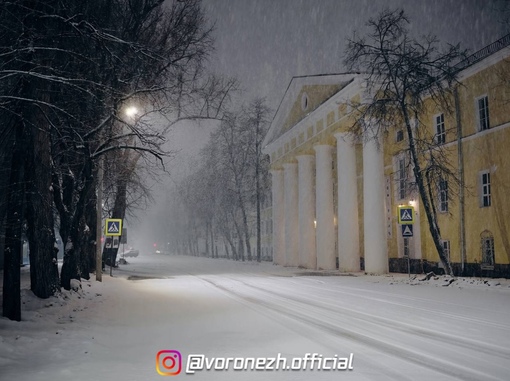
131, 111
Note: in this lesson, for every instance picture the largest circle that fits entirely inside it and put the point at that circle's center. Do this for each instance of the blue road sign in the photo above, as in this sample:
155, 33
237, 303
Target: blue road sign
407, 230
113, 227
405, 215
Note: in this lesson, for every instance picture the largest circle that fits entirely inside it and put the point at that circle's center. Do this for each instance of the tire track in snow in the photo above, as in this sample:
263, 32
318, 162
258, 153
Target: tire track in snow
362, 293
492, 350
446, 315
286, 306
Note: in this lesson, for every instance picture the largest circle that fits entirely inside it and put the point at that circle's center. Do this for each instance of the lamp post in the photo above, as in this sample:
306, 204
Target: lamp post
130, 112
99, 218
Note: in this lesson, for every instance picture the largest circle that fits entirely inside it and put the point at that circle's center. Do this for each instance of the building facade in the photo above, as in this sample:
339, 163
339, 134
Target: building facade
335, 197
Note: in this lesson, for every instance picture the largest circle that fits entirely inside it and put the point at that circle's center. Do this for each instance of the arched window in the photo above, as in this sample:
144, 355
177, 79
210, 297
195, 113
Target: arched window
304, 102
487, 244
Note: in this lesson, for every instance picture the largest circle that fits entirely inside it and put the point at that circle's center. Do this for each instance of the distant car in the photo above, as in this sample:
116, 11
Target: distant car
130, 253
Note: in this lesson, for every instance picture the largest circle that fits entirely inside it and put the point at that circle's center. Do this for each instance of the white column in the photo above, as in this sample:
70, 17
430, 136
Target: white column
278, 217
374, 223
325, 232
348, 221
291, 214
306, 196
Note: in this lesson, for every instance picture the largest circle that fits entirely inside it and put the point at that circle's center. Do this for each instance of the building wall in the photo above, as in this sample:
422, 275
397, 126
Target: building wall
481, 151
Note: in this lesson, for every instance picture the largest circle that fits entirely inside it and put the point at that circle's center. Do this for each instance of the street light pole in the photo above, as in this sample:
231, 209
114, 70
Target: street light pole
99, 220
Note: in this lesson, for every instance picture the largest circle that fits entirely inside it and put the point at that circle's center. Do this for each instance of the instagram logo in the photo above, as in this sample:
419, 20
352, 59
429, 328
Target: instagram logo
168, 362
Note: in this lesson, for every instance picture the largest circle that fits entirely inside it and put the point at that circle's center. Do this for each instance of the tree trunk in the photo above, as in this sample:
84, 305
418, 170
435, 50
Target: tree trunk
13, 244
241, 249
41, 233
433, 227
226, 250
258, 203
212, 241
88, 263
84, 251
207, 239
228, 238
6, 152
246, 230
71, 268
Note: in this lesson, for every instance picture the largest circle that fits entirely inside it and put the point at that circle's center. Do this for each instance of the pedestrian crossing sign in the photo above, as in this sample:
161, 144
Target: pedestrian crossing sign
113, 227
405, 215
407, 230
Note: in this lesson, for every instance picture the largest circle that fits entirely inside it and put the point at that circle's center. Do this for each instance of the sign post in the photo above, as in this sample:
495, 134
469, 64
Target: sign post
123, 240
406, 220
113, 230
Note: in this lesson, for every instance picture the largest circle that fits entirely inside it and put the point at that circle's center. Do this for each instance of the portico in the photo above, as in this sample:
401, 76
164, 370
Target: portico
328, 187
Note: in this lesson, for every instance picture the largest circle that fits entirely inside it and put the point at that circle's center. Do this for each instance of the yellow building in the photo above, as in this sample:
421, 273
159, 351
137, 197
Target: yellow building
335, 199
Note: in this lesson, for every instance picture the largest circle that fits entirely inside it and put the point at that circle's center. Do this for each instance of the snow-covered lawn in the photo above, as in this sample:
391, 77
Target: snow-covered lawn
386, 327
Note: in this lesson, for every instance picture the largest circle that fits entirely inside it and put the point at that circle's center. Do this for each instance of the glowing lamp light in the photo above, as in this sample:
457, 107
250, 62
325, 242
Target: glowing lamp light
131, 111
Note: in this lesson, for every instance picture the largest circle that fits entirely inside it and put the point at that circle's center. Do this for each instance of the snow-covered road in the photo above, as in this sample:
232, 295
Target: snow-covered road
394, 328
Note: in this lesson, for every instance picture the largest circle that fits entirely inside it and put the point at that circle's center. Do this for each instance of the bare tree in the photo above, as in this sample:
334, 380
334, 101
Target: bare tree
257, 120
66, 73
229, 184
402, 75
24, 104
234, 139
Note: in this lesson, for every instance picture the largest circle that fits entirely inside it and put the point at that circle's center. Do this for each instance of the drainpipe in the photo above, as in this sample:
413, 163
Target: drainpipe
460, 157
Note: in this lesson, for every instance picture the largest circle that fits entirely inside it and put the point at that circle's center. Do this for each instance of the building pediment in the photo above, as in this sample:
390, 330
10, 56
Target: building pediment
302, 97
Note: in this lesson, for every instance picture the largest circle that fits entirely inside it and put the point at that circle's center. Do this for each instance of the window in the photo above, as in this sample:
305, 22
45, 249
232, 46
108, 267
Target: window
485, 189
440, 130
487, 241
446, 247
401, 174
443, 195
304, 102
400, 136
483, 113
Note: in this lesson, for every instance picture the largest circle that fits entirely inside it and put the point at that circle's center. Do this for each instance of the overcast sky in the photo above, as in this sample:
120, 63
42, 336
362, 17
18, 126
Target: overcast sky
266, 42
